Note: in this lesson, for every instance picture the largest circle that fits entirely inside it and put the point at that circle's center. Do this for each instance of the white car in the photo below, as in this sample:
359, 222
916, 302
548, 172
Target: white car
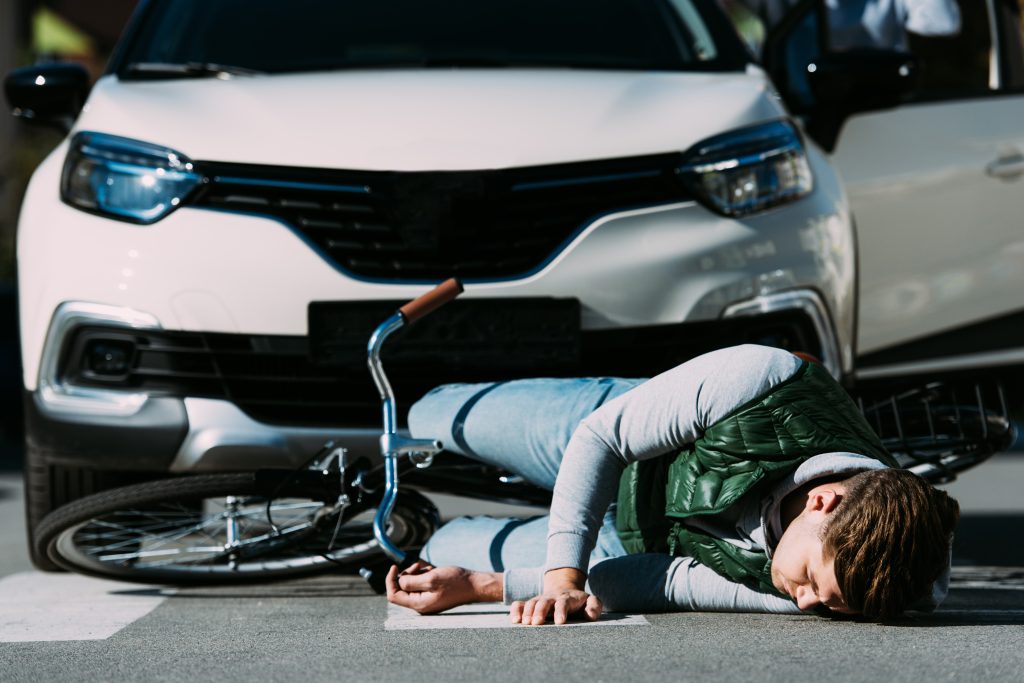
247, 191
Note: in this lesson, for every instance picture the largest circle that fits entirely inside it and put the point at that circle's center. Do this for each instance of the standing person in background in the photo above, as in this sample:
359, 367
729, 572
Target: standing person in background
882, 24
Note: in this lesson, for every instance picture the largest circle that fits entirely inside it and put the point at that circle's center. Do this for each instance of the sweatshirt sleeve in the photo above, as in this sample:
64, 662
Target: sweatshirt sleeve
660, 416
522, 584
659, 583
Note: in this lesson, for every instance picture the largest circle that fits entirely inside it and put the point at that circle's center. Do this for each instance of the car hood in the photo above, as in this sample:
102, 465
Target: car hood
430, 119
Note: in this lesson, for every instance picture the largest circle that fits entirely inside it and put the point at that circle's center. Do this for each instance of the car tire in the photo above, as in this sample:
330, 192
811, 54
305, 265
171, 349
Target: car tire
48, 486
38, 503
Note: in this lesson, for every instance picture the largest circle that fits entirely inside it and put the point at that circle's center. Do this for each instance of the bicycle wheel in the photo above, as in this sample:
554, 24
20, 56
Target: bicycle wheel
215, 529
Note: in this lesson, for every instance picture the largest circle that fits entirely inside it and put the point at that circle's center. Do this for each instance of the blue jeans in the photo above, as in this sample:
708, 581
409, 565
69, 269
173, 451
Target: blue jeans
522, 426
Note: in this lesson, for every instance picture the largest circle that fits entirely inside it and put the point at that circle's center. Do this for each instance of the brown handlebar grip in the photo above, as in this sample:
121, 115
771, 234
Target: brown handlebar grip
432, 300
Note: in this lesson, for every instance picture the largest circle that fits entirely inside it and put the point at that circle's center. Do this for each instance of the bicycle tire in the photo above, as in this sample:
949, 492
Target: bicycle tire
142, 533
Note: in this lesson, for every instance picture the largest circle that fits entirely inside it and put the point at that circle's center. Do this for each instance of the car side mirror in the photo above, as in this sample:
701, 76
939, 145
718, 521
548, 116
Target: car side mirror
859, 80
47, 94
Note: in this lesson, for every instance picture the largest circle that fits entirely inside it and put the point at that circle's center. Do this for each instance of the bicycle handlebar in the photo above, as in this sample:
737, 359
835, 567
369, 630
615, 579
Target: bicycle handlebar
391, 443
432, 300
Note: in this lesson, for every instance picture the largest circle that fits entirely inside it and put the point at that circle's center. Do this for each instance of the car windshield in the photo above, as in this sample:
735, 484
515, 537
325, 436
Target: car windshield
189, 38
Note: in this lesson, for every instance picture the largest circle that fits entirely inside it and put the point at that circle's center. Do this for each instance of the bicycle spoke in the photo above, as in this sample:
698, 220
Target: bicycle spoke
161, 532
162, 541
197, 528
154, 553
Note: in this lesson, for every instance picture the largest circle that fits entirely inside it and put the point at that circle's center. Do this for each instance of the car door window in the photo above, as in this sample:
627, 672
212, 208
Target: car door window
963, 65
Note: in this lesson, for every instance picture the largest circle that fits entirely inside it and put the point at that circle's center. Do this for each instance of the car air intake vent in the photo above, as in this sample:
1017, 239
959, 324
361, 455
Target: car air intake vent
274, 379
483, 225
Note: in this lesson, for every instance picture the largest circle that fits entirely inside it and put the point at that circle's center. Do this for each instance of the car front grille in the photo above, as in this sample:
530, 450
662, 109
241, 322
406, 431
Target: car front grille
418, 226
273, 379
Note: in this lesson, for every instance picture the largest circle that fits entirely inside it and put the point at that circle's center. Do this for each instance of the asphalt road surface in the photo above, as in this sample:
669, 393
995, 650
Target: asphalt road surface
67, 628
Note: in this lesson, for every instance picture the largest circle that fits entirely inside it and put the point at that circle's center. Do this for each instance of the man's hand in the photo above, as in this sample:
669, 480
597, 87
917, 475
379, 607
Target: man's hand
429, 590
563, 597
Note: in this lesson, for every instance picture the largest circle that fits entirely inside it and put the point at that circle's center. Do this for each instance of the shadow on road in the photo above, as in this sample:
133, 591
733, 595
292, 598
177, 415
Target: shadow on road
987, 586
10, 456
969, 604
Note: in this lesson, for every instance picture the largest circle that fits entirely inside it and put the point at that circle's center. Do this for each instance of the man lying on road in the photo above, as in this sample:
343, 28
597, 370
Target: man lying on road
747, 481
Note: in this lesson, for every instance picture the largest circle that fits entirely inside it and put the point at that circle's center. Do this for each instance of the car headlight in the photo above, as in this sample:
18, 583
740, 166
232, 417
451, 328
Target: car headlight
749, 170
126, 179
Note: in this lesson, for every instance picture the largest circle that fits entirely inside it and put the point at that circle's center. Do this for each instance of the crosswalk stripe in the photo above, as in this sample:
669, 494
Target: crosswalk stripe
39, 606
487, 615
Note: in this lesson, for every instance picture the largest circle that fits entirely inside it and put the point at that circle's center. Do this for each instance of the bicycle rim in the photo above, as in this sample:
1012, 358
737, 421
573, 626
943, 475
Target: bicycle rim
221, 537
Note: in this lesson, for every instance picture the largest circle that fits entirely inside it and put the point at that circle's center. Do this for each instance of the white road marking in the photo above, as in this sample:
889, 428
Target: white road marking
1000, 578
38, 606
487, 615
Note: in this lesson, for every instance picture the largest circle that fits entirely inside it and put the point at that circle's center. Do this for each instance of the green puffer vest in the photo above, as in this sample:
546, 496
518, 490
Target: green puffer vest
758, 443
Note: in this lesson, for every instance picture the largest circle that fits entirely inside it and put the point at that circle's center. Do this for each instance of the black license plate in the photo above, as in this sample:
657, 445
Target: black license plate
533, 334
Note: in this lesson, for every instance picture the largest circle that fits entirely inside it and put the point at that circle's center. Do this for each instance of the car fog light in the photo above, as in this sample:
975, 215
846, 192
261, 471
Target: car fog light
109, 359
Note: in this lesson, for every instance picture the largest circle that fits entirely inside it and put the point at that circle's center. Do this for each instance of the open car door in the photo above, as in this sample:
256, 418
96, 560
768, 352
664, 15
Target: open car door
930, 143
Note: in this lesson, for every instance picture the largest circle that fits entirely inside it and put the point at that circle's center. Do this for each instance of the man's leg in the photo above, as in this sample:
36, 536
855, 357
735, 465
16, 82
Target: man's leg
490, 544
522, 426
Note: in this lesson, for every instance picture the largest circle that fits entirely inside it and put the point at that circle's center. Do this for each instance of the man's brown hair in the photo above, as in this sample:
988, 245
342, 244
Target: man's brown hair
890, 538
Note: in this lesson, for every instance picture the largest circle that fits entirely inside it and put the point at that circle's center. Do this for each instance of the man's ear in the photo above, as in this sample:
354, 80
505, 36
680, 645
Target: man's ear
824, 499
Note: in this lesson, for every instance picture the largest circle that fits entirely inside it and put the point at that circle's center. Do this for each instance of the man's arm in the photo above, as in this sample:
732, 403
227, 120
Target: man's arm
660, 583
429, 590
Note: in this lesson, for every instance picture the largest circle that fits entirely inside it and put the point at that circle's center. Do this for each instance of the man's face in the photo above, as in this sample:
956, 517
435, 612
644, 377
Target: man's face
799, 566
